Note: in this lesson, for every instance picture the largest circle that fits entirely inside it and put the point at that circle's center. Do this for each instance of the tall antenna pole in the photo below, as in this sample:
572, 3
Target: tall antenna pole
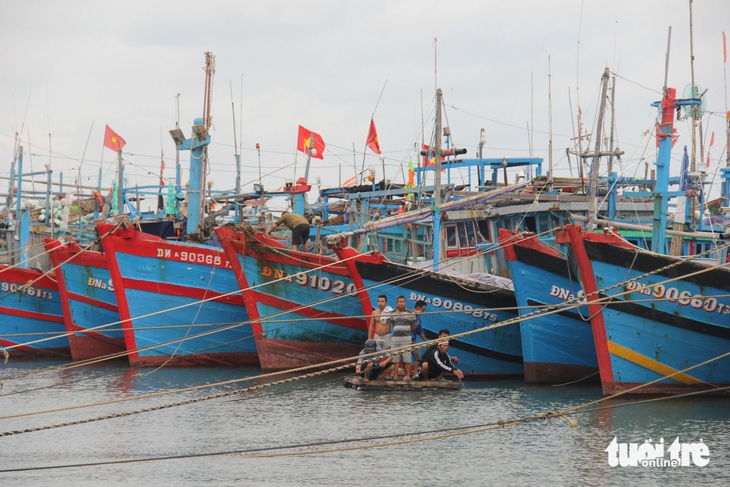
613, 125
597, 155
437, 152
207, 119
550, 129
435, 64
177, 151
236, 155
693, 160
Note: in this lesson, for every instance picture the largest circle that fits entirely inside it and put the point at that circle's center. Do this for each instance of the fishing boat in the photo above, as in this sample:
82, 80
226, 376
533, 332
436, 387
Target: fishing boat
179, 302
31, 316
661, 322
557, 346
304, 308
461, 304
90, 309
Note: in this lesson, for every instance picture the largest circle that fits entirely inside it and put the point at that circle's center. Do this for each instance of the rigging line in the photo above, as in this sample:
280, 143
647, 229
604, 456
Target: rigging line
498, 122
197, 335
82, 363
235, 292
250, 452
125, 353
49, 274
416, 273
547, 310
190, 326
559, 307
567, 303
350, 363
247, 451
452, 432
641, 386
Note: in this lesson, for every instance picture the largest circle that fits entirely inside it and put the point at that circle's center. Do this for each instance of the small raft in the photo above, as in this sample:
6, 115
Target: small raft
359, 384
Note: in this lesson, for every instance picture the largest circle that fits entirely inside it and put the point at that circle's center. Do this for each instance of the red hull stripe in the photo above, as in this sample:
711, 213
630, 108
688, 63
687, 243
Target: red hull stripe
91, 302
309, 312
30, 315
185, 291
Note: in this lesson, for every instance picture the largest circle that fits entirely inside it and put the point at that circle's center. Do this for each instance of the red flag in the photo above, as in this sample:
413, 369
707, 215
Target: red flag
373, 138
112, 140
308, 139
429, 156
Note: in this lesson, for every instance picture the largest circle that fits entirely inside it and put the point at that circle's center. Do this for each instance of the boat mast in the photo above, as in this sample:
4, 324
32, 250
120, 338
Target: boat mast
695, 108
207, 119
437, 151
597, 153
550, 129
438, 249
237, 156
666, 127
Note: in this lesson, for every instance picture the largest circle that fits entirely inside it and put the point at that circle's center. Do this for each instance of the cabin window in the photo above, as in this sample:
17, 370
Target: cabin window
393, 246
529, 223
463, 235
708, 247
485, 230
451, 238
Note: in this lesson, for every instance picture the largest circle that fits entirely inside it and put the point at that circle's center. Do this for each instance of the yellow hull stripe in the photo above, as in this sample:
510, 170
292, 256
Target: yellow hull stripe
647, 363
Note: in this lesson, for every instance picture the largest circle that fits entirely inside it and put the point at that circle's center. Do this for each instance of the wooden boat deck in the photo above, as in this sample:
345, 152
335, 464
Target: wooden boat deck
357, 383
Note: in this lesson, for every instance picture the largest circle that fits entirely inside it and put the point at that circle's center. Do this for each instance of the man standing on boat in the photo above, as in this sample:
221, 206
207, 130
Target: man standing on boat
404, 322
418, 310
299, 227
379, 328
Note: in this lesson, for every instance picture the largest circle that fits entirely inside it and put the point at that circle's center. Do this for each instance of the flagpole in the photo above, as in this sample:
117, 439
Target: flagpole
437, 152
120, 199
364, 151
309, 157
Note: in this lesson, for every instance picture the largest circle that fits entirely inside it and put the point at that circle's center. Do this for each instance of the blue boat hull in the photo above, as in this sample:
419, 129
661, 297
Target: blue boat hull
557, 346
306, 316
89, 304
659, 316
180, 303
460, 306
31, 316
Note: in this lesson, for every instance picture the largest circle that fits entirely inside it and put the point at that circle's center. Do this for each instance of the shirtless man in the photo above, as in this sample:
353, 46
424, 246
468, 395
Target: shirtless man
379, 328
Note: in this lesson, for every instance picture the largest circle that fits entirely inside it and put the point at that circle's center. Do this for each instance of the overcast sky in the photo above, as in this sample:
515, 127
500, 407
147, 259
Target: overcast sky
69, 68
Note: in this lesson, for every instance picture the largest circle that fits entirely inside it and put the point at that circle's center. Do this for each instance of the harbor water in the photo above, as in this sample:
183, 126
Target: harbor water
260, 437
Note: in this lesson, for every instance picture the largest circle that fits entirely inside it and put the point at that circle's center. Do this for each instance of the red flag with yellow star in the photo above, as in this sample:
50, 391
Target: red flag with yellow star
112, 140
308, 139
372, 141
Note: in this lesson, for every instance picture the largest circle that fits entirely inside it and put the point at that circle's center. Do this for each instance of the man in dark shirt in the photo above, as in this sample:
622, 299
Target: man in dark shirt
437, 363
299, 227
